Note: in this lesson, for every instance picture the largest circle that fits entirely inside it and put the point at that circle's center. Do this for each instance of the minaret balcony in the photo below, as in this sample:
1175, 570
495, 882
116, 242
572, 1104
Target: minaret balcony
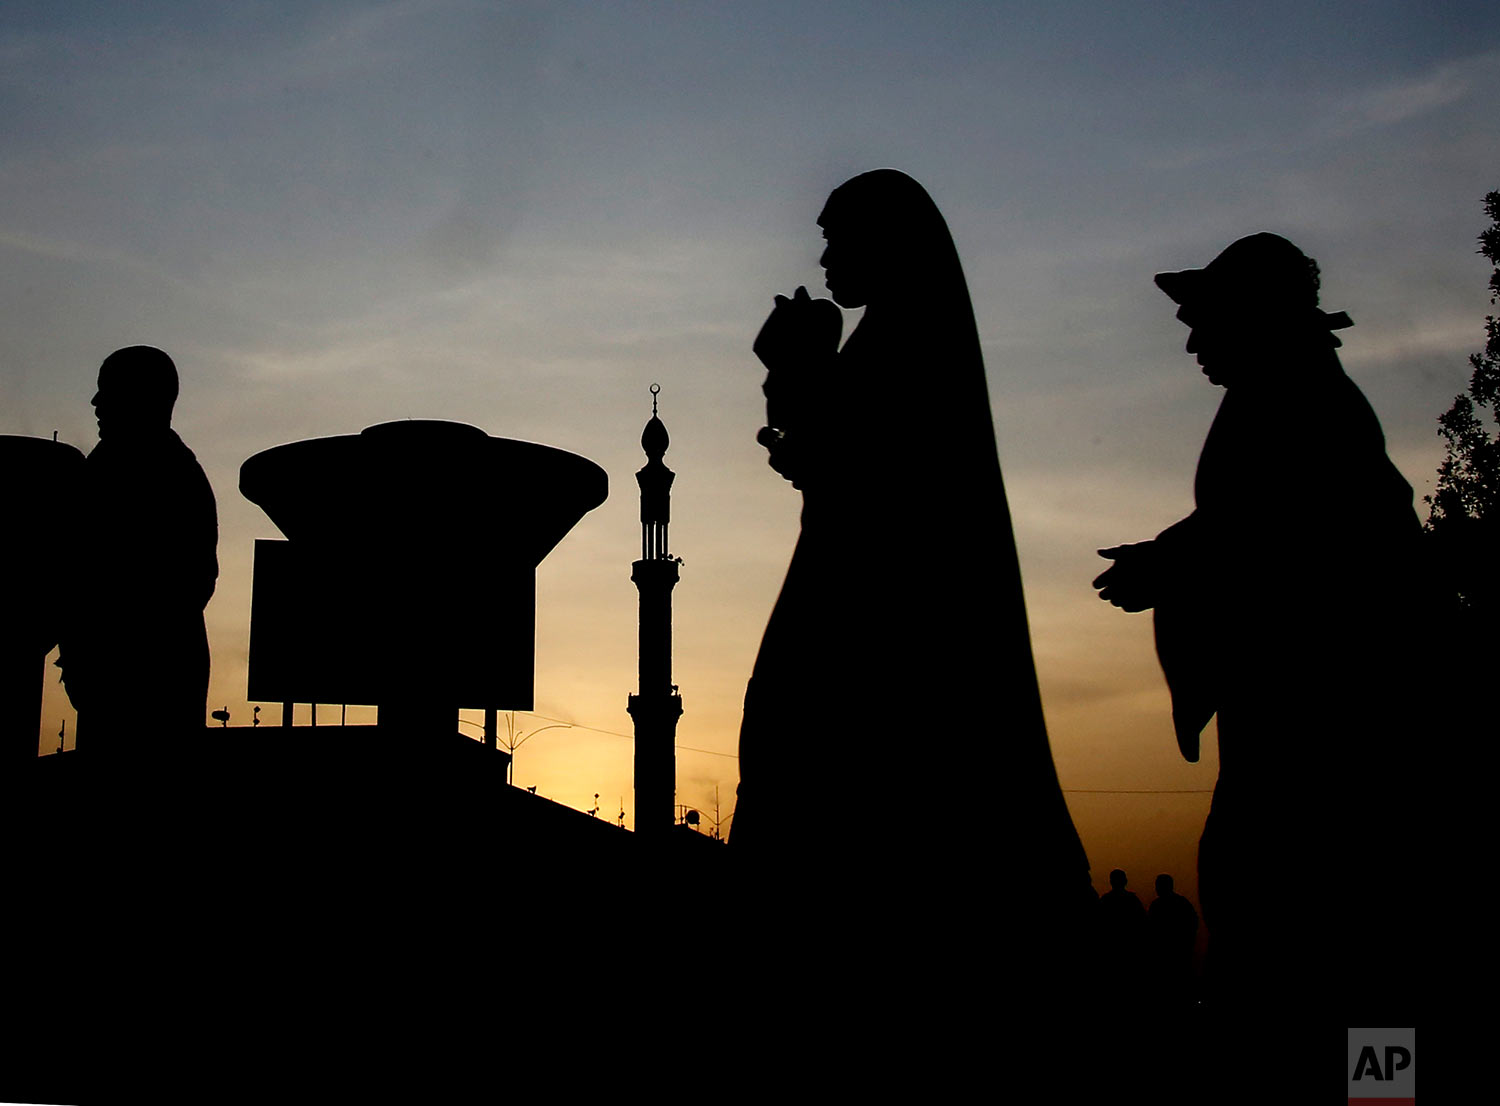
648, 709
664, 572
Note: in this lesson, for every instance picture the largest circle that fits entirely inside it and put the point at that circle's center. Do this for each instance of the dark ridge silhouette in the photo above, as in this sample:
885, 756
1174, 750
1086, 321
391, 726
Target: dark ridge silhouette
1289, 604
335, 908
143, 563
38, 483
904, 592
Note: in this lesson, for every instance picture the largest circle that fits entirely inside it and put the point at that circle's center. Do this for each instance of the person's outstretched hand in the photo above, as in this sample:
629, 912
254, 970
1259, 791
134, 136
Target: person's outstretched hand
1131, 582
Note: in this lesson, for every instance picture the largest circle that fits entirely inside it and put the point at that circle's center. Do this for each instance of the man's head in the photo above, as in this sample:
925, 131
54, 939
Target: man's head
1257, 300
137, 388
1163, 886
1117, 880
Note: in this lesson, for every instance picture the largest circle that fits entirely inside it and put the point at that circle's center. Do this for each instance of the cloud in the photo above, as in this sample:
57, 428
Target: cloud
1389, 104
1274, 133
58, 249
1451, 335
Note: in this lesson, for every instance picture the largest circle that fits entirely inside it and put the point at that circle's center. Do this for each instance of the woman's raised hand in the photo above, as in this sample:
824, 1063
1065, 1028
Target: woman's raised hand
800, 330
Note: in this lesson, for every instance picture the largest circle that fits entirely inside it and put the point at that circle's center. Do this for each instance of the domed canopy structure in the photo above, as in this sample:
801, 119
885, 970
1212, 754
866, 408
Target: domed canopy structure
418, 482
409, 572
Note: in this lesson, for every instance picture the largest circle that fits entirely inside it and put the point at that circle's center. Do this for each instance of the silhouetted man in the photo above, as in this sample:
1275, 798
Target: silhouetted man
1121, 935
1119, 911
1174, 929
1286, 602
135, 652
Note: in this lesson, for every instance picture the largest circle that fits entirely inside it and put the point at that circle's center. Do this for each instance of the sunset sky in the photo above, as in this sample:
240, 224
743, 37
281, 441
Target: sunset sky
521, 215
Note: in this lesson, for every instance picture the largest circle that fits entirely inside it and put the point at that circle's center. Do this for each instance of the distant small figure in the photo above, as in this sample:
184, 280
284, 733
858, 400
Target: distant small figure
1120, 908
1122, 931
134, 650
1173, 924
1289, 604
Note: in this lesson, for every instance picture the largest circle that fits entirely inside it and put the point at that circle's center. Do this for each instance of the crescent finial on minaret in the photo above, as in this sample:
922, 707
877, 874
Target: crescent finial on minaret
654, 439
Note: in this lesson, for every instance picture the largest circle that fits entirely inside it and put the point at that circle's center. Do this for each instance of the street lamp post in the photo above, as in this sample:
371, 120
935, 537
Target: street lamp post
511, 742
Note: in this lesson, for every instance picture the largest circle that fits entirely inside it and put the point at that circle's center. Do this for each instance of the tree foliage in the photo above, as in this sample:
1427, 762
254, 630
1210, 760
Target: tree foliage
1464, 523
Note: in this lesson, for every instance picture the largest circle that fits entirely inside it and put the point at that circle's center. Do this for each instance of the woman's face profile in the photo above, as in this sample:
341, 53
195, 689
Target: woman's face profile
849, 272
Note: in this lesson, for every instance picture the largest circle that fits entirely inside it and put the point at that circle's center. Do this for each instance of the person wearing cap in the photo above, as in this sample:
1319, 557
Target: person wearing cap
134, 654
1288, 604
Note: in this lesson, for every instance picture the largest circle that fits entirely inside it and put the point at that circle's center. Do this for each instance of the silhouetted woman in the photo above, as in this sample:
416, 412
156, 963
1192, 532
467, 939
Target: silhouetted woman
893, 744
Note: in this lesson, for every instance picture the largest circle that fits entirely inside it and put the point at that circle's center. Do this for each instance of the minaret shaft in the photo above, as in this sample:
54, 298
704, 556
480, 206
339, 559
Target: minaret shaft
655, 581
656, 706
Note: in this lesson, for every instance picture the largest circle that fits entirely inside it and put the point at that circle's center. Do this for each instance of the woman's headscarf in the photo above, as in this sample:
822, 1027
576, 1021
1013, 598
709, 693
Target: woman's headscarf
923, 317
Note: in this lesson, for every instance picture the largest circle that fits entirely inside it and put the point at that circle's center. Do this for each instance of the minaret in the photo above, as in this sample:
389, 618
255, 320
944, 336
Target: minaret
657, 706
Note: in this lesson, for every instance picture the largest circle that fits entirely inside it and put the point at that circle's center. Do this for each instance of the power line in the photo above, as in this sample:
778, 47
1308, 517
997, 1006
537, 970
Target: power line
736, 756
626, 736
710, 752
